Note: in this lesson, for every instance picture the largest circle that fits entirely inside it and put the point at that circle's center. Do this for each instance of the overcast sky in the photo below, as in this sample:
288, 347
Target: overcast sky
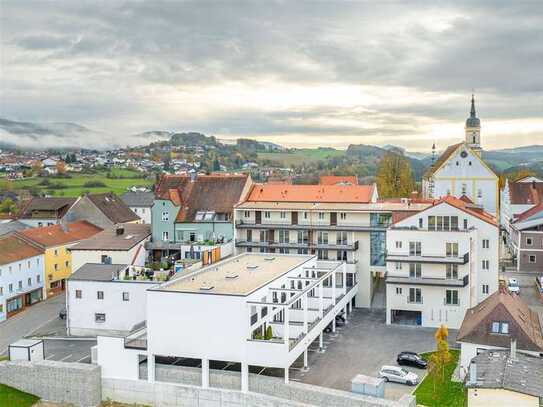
292, 72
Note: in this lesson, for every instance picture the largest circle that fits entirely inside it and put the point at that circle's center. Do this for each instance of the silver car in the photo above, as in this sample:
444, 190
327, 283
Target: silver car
399, 375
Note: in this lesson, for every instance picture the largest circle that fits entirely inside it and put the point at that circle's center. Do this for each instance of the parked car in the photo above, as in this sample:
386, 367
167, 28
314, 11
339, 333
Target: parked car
399, 375
411, 359
62, 313
513, 286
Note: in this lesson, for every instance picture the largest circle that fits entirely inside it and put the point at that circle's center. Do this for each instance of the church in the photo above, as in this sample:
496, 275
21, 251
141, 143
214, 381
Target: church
461, 171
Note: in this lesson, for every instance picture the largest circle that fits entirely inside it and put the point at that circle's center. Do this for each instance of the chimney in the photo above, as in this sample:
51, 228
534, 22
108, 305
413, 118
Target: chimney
63, 225
472, 373
533, 184
119, 231
193, 175
513, 349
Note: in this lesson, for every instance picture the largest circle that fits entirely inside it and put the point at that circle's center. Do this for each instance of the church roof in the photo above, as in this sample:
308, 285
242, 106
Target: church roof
442, 160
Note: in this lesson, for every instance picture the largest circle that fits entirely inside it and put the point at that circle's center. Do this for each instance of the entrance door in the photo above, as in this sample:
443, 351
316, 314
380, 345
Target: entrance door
258, 217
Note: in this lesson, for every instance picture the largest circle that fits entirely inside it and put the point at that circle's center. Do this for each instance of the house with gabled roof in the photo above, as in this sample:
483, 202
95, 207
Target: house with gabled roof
461, 170
39, 212
495, 322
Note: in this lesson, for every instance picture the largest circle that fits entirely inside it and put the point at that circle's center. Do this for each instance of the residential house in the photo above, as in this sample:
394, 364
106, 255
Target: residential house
193, 209
120, 244
494, 323
39, 212
461, 171
21, 275
440, 262
517, 197
526, 239
103, 210
55, 241
505, 379
335, 222
106, 299
140, 202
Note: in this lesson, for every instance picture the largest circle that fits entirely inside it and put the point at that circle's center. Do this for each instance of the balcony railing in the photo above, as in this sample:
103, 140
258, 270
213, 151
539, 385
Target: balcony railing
427, 258
444, 282
297, 245
241, 224
415, 300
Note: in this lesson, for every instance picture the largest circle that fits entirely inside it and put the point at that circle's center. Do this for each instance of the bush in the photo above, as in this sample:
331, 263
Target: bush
269, 333
94, 184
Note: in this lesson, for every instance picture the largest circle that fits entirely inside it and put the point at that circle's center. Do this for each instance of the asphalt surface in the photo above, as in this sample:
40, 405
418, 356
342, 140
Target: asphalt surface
528, 290
71, 350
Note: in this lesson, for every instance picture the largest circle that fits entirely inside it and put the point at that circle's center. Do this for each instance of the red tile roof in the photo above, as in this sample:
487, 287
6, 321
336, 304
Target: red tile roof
14, 248
311, 193
57, 235
526, 214
338, 179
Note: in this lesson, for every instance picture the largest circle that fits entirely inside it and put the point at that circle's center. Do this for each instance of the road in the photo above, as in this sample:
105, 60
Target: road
29, 320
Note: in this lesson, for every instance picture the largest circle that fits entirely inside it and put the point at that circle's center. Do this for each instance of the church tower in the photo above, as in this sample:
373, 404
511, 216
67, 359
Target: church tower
473, 129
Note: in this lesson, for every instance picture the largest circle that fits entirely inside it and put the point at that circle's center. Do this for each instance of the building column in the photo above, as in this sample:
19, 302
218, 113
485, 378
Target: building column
244, 377
321, 342
151, 368
286, 374
205, 373
334, 324
306, 367
286, 327
346, 311
334, 288
305, 304
321, 300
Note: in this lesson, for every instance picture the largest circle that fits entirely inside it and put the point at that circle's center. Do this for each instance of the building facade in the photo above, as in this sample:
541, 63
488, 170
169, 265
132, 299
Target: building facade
21, 275
140, 203
440, 262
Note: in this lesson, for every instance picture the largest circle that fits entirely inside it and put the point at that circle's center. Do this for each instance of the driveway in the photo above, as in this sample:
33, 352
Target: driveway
528, 290
68, 350
361, 347
29, 320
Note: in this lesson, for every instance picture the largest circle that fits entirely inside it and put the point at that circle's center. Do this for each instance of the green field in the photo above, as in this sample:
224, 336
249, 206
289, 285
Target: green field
75, 186
301, 156
15, 398
448, 393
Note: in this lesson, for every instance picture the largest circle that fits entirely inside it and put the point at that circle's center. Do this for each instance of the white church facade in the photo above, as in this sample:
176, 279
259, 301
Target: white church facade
460, 170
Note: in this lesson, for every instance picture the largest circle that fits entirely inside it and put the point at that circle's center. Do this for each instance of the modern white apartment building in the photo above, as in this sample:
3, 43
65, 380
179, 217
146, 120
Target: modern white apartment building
440, 262
106, 299
253, 309
340, 222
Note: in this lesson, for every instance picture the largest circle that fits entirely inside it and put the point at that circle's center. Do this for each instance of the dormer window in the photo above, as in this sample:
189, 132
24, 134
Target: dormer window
500, 327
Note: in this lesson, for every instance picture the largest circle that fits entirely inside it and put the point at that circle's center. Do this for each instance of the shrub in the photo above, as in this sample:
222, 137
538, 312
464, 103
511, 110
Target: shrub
94, 184
269, 333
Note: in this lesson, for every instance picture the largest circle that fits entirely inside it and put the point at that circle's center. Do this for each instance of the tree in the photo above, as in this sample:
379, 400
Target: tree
515, 175
7, 206
439, 359
394, 177
61, 167
36, 167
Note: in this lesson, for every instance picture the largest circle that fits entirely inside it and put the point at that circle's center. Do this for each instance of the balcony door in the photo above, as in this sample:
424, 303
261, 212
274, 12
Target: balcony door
333, 218
258, 217
294, 218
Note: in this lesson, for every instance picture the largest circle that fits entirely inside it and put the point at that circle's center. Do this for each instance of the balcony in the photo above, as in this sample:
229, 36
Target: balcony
298, 245
241, 224
427, 258
440, 282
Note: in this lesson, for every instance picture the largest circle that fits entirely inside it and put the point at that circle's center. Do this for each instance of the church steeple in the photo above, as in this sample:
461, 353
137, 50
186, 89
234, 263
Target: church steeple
473, 128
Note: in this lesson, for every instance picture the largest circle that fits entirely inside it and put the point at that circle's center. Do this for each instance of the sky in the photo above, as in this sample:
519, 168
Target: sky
297, 73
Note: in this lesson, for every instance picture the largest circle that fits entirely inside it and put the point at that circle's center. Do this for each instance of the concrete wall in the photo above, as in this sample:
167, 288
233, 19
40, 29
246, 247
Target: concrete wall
72, 383
176, 382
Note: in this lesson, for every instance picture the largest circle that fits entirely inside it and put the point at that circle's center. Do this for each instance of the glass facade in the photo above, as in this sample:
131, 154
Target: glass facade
378, 238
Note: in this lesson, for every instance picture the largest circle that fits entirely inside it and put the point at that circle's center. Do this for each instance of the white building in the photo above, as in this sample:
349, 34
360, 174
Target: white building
121, 244
141, 203
106, 299
460, 171
223, 312
440, 262
21, 275
517, 197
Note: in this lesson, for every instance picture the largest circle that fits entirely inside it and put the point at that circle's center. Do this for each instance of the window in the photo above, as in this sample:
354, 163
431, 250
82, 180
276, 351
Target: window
283, 236
126, 296
486, 243
165, 236
343, 215
305, 215
38, 278
532, 258
56, 252
302, 251
451, 249
246, 214
452, 271
303, 236
165, 216
465, 223
415, 270
398, 266
322, 237
267, 214
464, 189
20, 284
78, 294
249, 235
67, 263
101, 318
29, 281
1, 290
431, 223
486, 264
420, 223
415, 295
341, 238
263, 235
10, 287
283, 214
415, 249
500, 327
322, 254
485, 288
479, 193
321, 215
341, 255
56, 267
529, 241
451, 297
442, 222
398, 244
100, 295
398, 290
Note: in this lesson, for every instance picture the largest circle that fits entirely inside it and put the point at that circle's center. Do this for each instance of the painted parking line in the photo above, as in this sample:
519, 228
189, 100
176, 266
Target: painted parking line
83, 358
66, 358
50, 357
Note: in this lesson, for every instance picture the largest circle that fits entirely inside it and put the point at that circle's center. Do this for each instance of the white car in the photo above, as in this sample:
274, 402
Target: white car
513, 286
399, 375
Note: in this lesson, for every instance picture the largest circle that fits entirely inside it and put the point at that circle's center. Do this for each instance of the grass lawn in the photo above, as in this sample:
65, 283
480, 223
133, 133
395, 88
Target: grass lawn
300, 156
75, 185
448, 394
15, 398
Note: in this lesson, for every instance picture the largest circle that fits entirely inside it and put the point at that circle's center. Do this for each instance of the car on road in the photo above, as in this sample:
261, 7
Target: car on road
411, 359
399, 375
513, 286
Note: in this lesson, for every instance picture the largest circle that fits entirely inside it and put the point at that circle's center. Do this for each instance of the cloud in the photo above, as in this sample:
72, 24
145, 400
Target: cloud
317, 73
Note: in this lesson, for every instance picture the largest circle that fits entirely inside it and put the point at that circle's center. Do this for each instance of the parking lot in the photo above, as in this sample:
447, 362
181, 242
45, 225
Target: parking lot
361, 347
68, 350
528, 290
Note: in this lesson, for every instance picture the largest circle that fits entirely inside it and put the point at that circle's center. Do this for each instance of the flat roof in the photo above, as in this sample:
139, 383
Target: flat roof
239, 275
336, 207
97, 272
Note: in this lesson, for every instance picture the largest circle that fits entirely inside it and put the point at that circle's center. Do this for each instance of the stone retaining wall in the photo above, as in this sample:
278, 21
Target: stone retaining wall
73, 383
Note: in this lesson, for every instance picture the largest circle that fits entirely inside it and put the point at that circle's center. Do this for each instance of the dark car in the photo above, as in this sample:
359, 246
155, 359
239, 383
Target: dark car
411, 359
62, 313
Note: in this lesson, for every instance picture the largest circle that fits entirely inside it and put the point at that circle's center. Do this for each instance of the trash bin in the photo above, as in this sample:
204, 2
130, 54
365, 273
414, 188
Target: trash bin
369, 386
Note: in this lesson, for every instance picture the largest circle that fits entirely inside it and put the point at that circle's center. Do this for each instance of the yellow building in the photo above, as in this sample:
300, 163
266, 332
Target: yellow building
55, 241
